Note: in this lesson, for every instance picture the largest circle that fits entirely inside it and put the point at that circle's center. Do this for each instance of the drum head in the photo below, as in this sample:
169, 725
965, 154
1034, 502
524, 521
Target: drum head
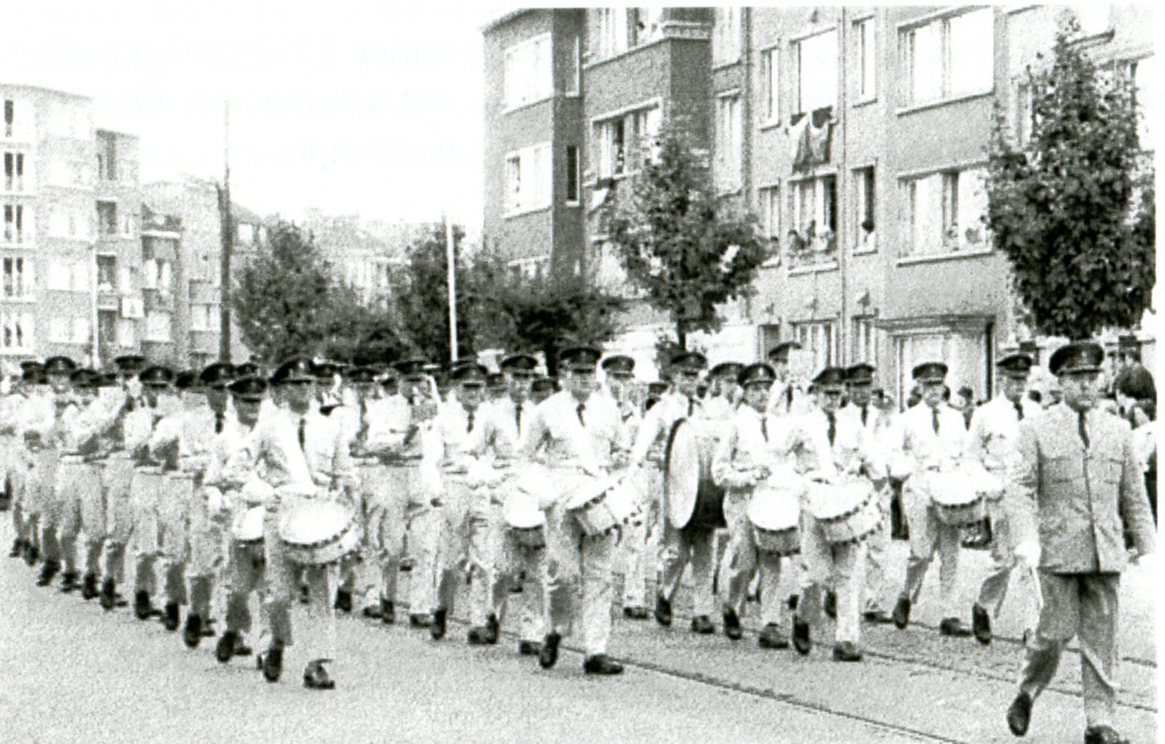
313, 522
521, 511
774, 508
248, 525
681, 473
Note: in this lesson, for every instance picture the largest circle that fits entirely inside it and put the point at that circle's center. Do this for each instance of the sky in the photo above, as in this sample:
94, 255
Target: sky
349, 106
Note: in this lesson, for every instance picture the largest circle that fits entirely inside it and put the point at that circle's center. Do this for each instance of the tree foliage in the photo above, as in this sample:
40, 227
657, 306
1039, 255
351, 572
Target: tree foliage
685, 248
1073, 208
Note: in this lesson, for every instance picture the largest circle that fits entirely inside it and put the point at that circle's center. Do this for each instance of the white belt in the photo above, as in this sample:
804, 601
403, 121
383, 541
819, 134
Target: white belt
119, 455
72, 459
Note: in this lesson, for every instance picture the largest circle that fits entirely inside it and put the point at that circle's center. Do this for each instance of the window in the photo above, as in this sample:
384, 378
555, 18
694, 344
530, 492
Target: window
16, 229
864, 208
865, 341
818, 338
68, 222
625, 139
127, 333
107, 158
16, 331
770, 81
200, 317
9, 117
572, 174
729, 142
158, 327
127, 225
770, 211
574, 68
19, 281
816, 58
106, 274
725, 36
14, 172
867, 73
528, 179
648, 25
1144, 82
107, 218
945, 212
813, 204
951, 57
613, 28
528, 74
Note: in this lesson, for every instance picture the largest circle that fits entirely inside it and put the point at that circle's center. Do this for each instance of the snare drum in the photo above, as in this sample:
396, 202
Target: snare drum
319, 533
589, 506
247, 526
848, 510
527, 523
956, 497
775, 514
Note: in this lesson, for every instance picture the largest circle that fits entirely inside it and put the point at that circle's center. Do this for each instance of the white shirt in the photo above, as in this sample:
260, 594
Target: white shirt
851, 450
557, 432
750, 439
994, 434
914, 436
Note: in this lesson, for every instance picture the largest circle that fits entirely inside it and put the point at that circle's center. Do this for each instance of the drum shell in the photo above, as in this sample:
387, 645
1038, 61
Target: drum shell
847, 512
774, 514
243, 526
595, 516
708, 510
955, 496
327, 549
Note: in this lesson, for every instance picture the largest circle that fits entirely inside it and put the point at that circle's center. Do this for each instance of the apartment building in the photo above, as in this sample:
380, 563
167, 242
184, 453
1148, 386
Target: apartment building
857, 136
362, 255
69, 246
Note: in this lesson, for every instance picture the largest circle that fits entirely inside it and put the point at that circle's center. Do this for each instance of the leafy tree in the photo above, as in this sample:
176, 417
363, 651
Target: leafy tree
684, 247
1073, 209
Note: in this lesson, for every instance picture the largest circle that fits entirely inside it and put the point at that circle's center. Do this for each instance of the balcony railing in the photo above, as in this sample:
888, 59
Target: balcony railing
815, 250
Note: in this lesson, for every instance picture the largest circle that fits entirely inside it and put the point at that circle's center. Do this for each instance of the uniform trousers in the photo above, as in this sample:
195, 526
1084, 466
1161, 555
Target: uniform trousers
878, 554
640, 545
695, 546
206, 555
116, 477
524, 567
76, 501
42, 483
18, 484
823, 565
175, 494
145, 492
469, 542
388, 507
245, 575
315, 622
994, 588
742, 559
1085, 606
929, 535
422, 541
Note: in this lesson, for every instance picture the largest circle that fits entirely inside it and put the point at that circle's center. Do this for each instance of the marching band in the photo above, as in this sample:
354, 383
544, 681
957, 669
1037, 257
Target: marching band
315, 489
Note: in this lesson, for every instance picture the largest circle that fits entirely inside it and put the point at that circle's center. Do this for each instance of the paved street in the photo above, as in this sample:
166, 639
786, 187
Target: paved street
77, 674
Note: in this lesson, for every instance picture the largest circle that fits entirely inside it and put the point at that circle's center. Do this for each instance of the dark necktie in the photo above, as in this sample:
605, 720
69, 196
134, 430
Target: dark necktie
303, 433
789, 397
764, 428
518, 416
218, 421
581, 408
1018, 409
1083, 429
832, 427
469, 421
691, 406
130, 404
934, 419
865, 411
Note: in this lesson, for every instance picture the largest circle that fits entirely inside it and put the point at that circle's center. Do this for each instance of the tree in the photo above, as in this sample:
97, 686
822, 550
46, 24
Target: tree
1073, 209
287, 301
677, 241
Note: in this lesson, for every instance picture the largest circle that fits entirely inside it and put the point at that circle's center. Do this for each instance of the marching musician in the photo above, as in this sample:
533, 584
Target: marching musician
578, 431
723, 390
864, 413
992, 442
744, 458
830, 447
17, 459
85, 511
353, 417
302, 455
74, 486
355, 383
693, 544
232, 486
932, 435
1078, 487
48, 433
788, 395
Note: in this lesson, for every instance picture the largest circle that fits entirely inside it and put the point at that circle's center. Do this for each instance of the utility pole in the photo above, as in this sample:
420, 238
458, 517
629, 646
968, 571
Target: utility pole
228, 241
451, 260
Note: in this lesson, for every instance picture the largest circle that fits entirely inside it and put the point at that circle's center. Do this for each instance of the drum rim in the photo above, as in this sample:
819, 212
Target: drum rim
671, 436
870, 494
349, 527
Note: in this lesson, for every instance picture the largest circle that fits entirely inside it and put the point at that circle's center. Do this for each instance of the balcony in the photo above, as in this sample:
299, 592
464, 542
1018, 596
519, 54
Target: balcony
812, 252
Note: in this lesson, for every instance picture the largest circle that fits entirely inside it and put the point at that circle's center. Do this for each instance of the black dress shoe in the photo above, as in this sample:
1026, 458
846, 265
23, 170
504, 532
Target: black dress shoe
953, 627
602, 664
732, 627
387, 612
529, 648
344, 601
120, 601
89, 587
1019, 714
794, 600
846, 651
142, 608
208, 628
877, 617
831, 604
272, 664
315, 677
225, 648
420, 620
47, 572
1103, 735
304, 594
636, 613
69, 583
172, 618
981, 624
702, 624
108, 595
478, 636
663, 611
772, 637
17, 548
902, 613
192, 633
31, 554
241, 647
493, 628
801, 637
548, 654
372, 613
438, 627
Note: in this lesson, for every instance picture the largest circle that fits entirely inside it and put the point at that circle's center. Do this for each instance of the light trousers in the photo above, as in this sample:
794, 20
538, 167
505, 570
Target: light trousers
928, 535
742, 560
824, 565
693, 546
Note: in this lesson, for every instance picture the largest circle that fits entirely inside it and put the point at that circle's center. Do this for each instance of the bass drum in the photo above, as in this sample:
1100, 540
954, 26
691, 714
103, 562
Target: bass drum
691, 498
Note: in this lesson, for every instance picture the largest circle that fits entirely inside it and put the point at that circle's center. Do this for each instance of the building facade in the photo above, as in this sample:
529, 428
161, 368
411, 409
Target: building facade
857, 136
